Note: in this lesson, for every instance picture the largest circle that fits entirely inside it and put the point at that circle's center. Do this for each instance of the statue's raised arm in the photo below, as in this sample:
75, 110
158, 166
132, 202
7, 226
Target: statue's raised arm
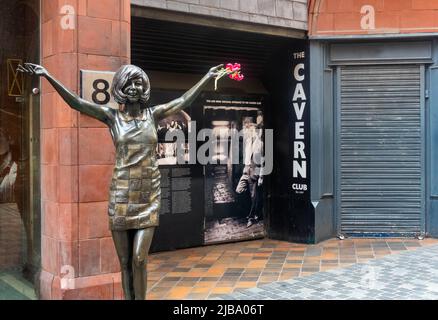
96, 111
165, 110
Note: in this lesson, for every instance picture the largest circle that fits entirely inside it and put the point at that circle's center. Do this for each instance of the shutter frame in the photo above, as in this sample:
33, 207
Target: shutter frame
381, 150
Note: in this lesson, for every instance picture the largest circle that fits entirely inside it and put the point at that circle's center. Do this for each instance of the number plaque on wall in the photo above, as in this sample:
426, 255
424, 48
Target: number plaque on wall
95, 87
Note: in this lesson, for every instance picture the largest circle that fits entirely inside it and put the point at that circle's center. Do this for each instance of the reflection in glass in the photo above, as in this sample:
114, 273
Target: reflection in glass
19, 151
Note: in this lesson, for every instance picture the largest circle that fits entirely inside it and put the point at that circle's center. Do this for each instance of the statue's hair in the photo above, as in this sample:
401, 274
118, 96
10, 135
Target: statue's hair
121, 78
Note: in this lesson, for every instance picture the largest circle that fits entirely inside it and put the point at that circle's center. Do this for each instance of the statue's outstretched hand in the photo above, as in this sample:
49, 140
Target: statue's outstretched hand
231, 70
216, 71
32, 69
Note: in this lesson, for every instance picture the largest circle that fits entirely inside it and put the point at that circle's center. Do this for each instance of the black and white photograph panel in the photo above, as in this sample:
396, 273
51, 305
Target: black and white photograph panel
234, 190
167, 153
172, 139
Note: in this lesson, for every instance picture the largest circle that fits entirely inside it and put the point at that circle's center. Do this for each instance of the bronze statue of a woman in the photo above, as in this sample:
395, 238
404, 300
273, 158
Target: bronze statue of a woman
135, 188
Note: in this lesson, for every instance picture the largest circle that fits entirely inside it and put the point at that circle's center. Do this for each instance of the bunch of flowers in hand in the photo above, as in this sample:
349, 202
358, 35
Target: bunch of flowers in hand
233, 72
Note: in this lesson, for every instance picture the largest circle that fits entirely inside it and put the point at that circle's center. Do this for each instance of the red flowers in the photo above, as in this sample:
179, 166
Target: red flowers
235, 69
237, 76
233, 72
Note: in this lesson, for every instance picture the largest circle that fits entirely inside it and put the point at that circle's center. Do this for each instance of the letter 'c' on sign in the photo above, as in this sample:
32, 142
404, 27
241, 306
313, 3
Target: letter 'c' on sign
297, 75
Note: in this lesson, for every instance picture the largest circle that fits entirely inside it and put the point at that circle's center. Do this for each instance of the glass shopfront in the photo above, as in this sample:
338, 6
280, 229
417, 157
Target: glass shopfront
20, 234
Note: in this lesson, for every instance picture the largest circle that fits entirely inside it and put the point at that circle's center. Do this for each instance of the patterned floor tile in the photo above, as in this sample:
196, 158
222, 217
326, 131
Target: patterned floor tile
214, 271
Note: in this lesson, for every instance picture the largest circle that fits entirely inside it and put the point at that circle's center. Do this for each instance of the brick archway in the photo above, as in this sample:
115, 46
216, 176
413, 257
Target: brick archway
313, 9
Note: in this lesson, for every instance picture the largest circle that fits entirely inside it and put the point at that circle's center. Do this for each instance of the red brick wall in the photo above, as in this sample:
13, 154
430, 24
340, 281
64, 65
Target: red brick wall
341, 17
77, 151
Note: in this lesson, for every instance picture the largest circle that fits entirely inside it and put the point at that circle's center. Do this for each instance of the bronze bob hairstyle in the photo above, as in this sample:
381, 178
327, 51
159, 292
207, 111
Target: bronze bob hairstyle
121, 78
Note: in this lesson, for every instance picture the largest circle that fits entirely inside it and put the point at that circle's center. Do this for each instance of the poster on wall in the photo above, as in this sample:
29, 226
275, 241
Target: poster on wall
181, 211
176, 173
177, 125
234, 194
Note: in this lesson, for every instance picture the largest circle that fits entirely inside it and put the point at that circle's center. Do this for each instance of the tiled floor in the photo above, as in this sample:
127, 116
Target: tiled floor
209, 272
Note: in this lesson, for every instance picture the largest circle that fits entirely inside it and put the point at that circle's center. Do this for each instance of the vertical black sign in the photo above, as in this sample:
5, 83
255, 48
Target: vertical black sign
299, 108
291, 214
302, 211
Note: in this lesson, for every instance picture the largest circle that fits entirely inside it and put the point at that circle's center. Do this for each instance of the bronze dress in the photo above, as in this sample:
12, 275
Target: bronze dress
135, 187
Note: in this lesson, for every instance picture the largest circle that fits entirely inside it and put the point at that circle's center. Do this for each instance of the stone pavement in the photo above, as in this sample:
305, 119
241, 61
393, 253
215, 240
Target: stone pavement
403, 276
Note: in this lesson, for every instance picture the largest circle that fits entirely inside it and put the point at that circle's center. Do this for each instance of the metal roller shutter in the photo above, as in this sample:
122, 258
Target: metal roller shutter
381, 150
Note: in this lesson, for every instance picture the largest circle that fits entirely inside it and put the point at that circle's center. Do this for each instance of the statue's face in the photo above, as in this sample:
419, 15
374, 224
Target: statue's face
134, 90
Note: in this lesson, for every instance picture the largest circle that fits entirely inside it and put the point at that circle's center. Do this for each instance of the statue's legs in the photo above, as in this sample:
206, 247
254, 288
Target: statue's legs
123, 241
142, 243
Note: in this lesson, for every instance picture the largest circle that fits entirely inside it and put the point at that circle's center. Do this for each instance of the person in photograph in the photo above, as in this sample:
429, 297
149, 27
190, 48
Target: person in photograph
12, 187
160, 151
252, 177
8, 168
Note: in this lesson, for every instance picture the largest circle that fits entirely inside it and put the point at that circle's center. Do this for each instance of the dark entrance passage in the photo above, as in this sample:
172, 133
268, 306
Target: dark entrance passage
19, 151
218, 202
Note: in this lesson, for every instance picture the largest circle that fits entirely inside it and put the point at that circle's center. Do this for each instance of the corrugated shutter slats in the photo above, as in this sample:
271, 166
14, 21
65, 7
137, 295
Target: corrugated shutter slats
380, 149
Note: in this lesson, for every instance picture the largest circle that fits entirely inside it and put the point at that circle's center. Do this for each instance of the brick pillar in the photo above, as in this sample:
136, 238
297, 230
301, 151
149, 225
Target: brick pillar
77, 151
